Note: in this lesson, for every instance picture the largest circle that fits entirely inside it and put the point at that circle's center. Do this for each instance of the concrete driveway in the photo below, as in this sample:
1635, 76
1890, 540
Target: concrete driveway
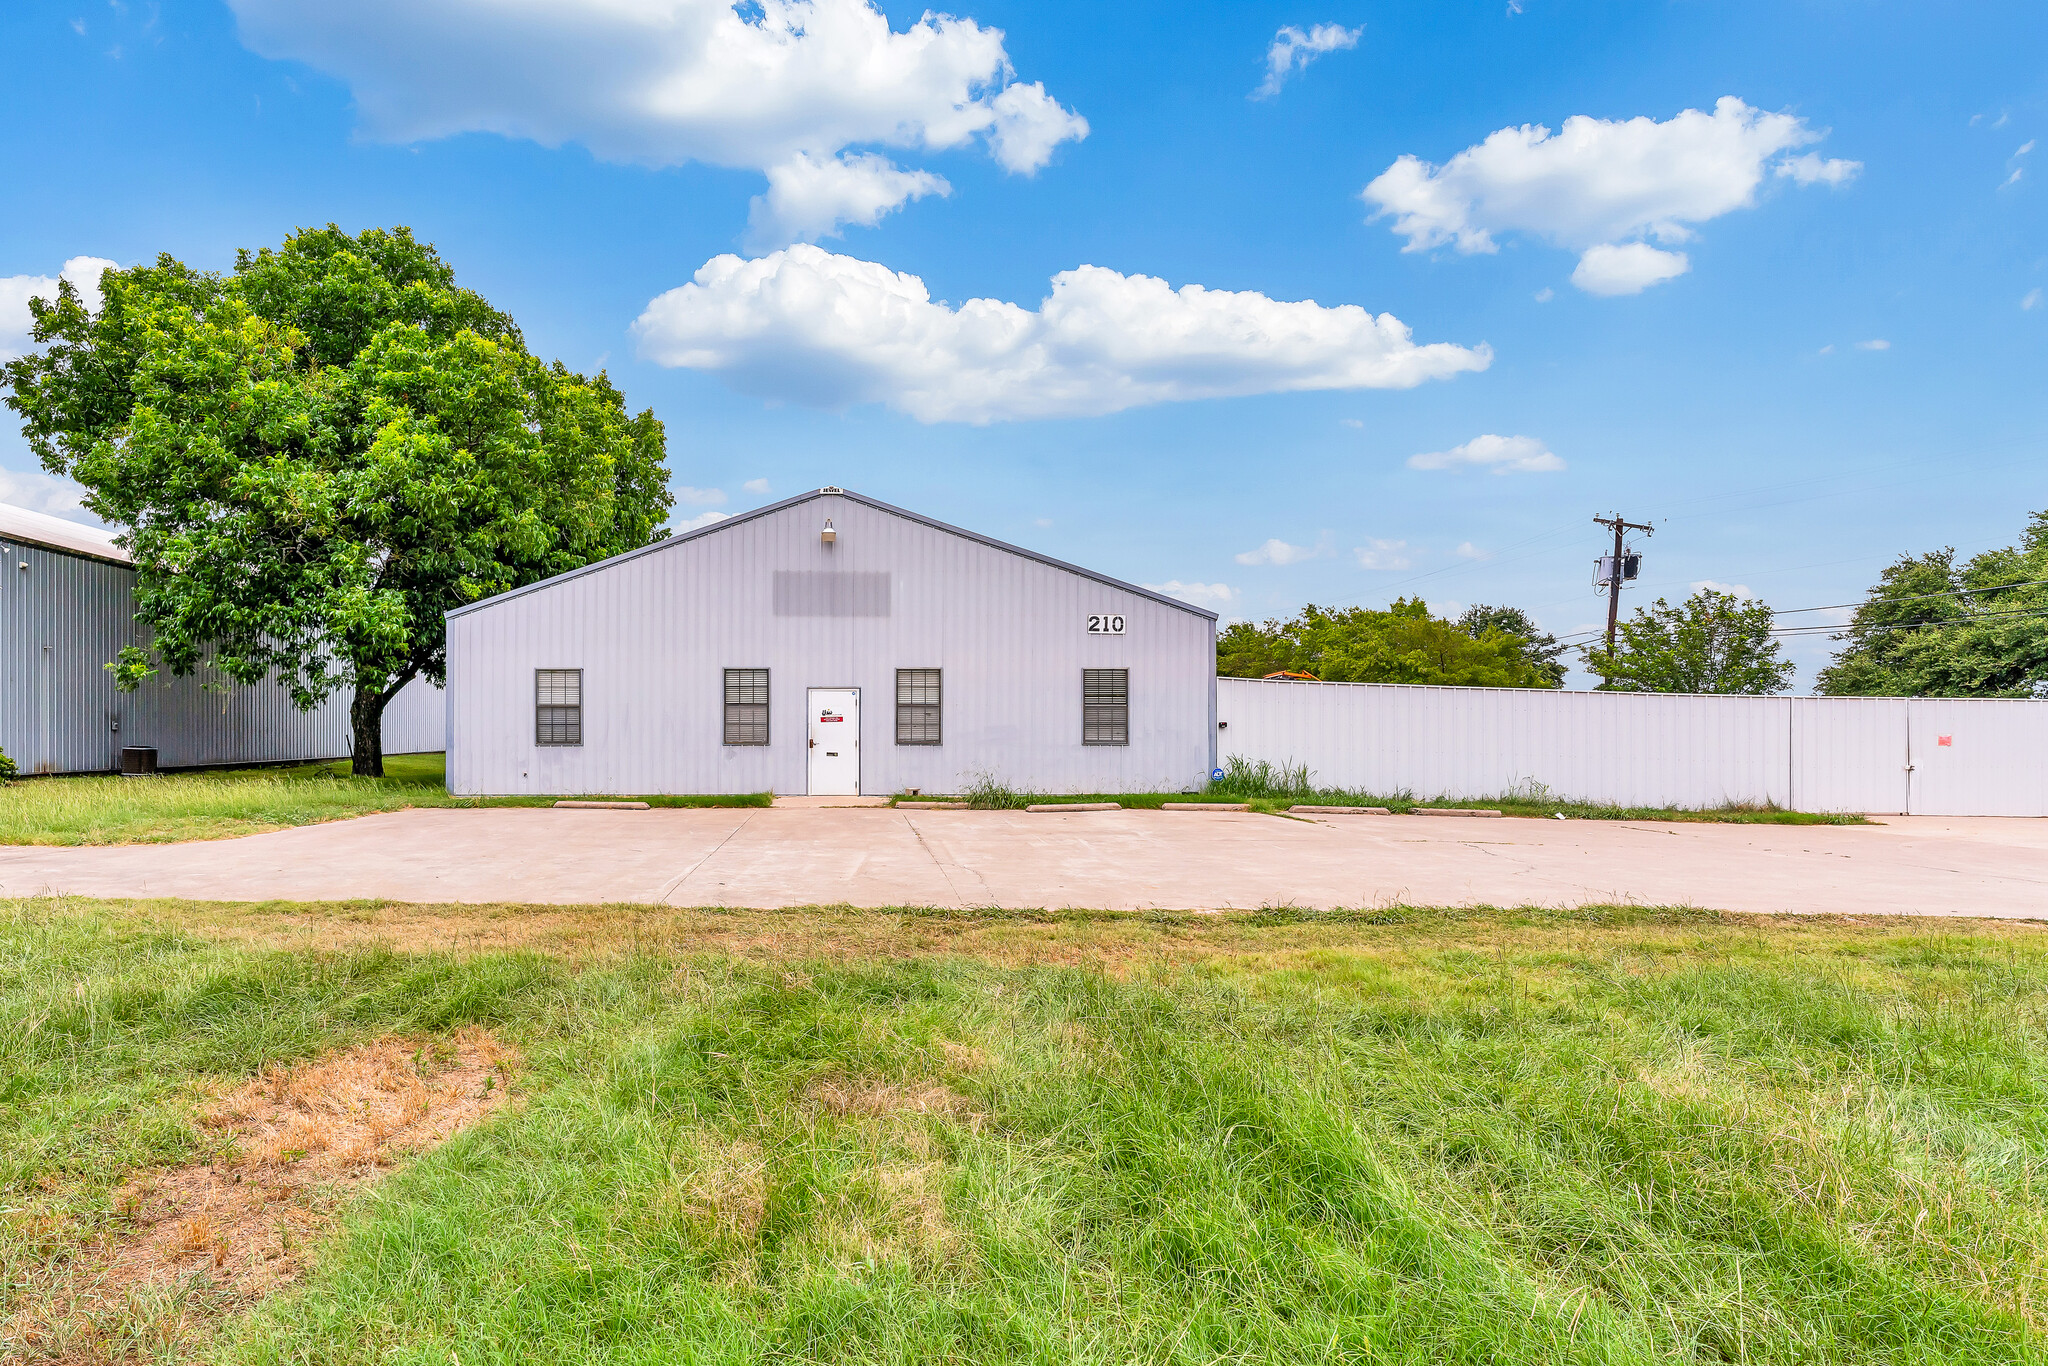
1109, 860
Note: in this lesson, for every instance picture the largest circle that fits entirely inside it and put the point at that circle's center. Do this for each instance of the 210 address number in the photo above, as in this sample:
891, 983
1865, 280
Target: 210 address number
1105, 625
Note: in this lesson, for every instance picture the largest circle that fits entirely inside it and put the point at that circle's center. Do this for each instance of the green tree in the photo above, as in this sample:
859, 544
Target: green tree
317, 456
1536, 646
1933, 628
1403, 644
1714, 642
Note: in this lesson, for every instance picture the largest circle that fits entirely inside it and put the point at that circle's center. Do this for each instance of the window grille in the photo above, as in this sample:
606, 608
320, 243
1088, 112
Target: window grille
1105, 706
917, 706
558, 706
746, 706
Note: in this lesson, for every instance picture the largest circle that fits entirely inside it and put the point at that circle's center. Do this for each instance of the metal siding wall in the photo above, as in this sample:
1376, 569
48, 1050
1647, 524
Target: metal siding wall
1633, 749
1996, 763
1644, 749
652, 635
415, 721
1849, 754
66, 617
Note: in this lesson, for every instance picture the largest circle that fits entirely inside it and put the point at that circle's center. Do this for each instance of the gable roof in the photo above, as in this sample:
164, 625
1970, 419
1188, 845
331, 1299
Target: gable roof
56, 533
726, 523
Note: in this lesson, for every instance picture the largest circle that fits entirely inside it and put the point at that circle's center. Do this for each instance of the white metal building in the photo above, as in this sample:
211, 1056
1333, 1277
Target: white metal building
829, 644
67, 607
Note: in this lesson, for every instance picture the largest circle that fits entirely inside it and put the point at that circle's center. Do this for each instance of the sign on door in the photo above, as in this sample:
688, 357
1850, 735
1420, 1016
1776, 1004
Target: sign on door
835, 742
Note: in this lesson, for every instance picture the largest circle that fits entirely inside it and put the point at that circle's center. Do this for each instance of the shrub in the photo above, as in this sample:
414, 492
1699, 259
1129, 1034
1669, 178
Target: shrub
7, 768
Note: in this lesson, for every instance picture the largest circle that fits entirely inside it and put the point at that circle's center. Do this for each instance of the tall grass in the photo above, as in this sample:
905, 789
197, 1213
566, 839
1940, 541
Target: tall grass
1274, 786
986, 792
1474, 1138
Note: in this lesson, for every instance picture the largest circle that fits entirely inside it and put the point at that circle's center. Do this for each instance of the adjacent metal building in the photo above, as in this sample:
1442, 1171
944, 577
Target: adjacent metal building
829, 644
67, 608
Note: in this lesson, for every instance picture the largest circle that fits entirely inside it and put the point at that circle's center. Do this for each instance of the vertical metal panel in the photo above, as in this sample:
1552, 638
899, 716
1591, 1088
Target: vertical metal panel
1627, 748
1849, 754
1639, 749
654, 632
66, 617
415, 721
1994, 764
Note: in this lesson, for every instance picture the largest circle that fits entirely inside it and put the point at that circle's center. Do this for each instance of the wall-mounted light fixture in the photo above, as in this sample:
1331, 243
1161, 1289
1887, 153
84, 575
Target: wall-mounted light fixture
828, 536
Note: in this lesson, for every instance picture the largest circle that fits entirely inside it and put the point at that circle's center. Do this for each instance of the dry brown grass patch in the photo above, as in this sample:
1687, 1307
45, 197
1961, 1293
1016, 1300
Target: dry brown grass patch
898, 1215
727, 1196
877, 1099
287, 1147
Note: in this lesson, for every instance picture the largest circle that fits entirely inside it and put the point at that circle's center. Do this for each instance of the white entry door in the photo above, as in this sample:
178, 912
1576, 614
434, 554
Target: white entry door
835, 742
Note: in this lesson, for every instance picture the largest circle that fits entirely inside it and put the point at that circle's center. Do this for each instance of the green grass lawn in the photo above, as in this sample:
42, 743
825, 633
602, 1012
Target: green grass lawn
1609, 1136
218, 804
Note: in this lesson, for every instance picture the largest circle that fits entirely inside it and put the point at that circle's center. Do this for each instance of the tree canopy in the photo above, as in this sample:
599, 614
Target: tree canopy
1405, 643
1934, 628
1538, 647
316, 456
1713, 642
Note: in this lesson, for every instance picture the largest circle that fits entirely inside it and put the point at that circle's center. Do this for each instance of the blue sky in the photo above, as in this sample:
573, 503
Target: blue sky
1876, 183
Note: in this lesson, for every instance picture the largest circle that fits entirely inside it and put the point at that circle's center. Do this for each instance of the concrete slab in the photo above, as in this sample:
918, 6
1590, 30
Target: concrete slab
802, 803
1110, 859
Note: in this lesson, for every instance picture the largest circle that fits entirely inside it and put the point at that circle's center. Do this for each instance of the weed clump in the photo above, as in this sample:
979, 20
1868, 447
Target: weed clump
989, 793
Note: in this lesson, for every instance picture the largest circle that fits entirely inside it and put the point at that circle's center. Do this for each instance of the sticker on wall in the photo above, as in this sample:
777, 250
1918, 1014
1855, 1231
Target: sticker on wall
1946, 741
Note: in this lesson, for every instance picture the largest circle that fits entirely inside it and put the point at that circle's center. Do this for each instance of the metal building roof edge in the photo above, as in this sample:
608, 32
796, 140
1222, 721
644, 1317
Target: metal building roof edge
46, 532
738, 518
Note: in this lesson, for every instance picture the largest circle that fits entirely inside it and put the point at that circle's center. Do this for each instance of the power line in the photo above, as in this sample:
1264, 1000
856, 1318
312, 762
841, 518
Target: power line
1908, 625
1917, 597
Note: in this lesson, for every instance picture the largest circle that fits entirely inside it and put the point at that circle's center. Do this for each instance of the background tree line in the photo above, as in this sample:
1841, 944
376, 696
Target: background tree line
1930, 627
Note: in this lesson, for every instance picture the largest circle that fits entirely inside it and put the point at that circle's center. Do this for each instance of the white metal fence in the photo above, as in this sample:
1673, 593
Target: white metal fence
1924, 756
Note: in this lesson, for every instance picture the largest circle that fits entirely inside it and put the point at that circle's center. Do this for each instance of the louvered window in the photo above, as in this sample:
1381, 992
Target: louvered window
746, 706
917, 706
1105, 706
558, 706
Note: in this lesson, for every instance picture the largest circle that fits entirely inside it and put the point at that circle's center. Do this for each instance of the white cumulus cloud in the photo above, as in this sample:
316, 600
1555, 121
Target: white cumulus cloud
1500, 454
699, 497
2031, 300
1734, 590
701, 519
1874, 344
1200, 594
1597, 183
1627, 268
785, 87
1277, 551
17, 324
1292, 50
756, 486
39, 492
1468, 551
1378, 554
812, 197
1810, 169
807, 326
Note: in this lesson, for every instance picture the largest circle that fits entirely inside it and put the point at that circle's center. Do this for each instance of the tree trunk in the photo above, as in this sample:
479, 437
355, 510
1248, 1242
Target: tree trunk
366, 722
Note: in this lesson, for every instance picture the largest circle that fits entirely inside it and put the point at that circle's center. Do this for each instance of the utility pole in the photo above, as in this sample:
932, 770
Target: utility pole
1616, 567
